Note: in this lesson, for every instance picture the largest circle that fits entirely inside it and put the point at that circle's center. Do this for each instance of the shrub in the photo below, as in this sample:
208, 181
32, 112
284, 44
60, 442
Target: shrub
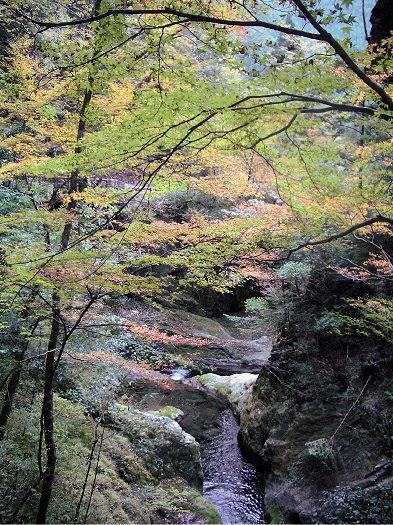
272, 310
321, 451
330, 322
296, 274
177, 206
373, 316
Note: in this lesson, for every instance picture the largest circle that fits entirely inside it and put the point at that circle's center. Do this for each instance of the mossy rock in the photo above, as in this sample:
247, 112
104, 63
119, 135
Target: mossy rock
166, 449
274, 516
169, 411
237, 388
175, 500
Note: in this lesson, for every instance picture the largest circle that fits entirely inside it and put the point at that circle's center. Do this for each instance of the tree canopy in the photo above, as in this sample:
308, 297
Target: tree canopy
156, 147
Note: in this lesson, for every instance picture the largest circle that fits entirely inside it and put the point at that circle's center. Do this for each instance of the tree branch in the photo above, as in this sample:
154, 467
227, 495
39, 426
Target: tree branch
322, 35
294, 97
328, 38
335, 237
185, 16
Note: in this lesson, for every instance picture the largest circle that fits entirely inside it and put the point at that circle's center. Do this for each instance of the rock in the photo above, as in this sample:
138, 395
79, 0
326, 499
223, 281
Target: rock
169, 411
369, 500
200, 408
168, 451
319, 418
206, 301
226, 345
174, 501
236, 387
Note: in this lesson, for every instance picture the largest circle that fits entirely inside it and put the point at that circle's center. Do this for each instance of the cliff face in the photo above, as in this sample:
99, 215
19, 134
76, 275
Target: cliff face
319, 420
381, 21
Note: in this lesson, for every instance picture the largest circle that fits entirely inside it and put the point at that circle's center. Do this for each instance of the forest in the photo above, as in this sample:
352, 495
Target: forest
196, 260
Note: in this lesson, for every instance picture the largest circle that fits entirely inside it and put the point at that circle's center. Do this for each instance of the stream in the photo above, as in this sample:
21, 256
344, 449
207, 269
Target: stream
231, 483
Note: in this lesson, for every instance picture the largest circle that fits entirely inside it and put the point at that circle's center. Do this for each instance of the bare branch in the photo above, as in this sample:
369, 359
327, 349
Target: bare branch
182, 15
322, 35
329, 39
335, 237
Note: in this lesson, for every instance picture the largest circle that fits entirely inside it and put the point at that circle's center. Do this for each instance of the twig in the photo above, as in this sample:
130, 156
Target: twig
95, 475
350, 410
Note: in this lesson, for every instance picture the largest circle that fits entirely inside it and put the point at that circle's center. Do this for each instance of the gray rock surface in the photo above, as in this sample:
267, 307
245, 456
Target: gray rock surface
236, 387
168, 450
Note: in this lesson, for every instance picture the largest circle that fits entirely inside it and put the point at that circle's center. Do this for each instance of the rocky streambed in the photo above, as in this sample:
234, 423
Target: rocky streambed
175, 441
230, 480
181, 424
208, 406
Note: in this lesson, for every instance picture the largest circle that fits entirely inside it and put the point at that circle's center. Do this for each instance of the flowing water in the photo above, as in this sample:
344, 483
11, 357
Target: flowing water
231, 483
178, 373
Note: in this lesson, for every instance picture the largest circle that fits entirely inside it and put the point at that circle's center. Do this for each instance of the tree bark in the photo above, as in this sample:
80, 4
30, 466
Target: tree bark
381, 29
12, 382
381, 21
9, 396
48, 414
51, 361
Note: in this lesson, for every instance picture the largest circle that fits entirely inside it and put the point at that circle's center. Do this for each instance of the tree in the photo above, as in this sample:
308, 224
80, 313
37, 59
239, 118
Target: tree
124, 100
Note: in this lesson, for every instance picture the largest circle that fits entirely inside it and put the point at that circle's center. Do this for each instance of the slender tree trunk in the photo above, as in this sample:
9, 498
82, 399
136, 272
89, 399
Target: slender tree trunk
13, 381
9, 396
93, 486
381, 29
89, 464
50, 362
48, 415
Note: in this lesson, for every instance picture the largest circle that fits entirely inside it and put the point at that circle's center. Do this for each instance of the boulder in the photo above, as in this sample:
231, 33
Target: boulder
169, 411
167, 450
236, 387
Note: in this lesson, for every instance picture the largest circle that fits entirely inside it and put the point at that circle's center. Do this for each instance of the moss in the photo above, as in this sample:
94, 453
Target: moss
359, 505
174, 498
320, 451
206, 510
169, 411
273, 515
197, 324
123, 473
207, 381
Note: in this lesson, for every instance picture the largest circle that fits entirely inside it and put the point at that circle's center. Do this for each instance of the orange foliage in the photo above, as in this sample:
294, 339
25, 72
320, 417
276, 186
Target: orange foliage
102, 358
155, 335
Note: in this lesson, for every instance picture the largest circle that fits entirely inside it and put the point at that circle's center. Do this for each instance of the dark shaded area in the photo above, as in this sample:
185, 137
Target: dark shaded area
319, 421
381, 29
381, 21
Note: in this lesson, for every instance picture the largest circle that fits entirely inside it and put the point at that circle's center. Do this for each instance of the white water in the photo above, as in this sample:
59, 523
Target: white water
178, 374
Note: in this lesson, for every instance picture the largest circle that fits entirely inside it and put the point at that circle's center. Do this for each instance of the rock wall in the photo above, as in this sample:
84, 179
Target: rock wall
319, 421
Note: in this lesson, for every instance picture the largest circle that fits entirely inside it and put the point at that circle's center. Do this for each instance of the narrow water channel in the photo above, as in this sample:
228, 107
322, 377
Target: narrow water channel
231, 483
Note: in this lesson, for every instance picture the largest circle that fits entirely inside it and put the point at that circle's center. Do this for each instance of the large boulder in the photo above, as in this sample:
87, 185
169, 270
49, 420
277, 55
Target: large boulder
168, 451
236, 388
319, 418
369, 500
300, 428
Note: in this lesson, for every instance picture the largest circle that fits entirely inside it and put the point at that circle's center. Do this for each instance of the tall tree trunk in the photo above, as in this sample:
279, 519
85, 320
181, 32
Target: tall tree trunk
48, 415
381, 21
9, 396
381, 29
50, 361
12, 382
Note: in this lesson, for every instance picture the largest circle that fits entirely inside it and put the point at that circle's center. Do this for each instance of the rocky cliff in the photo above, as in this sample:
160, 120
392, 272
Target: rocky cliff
319, 421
